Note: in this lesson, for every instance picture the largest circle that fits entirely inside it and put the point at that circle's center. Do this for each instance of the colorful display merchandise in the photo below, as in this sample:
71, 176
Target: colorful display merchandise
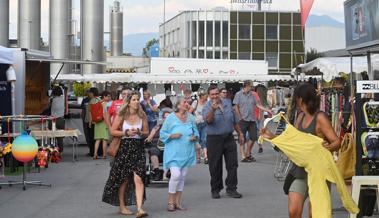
24, 148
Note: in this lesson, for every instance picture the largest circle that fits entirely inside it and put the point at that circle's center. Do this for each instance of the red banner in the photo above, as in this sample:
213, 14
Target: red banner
305, 8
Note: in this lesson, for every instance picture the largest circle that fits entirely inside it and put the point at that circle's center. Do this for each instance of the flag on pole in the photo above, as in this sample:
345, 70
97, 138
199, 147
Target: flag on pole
305, 8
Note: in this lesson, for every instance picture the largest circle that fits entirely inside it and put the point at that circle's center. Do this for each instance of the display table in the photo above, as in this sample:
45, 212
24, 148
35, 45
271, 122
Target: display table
74, 134
39, 134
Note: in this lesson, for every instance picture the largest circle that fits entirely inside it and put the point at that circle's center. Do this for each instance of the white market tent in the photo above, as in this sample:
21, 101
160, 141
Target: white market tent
6, 55
331, 67
185, 70
157, 79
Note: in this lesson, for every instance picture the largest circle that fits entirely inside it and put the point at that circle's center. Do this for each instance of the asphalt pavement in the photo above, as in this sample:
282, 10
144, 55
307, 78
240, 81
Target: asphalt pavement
77, 189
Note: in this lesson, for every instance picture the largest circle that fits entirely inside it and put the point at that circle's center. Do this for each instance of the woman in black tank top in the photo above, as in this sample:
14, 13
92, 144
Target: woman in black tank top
314, 122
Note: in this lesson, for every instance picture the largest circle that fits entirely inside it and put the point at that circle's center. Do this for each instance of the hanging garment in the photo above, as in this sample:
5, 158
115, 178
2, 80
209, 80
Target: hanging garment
306, 150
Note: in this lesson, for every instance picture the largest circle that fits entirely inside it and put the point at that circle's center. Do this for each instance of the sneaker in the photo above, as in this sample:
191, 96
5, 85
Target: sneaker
216, 195
260, 150
252, 159
233, 194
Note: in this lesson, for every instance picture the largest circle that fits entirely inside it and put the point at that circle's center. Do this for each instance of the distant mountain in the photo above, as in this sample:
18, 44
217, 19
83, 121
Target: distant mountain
323, 20
134, 43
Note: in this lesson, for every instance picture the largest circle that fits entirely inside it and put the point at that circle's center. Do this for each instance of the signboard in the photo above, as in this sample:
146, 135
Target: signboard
206, 67
368, 86
361, 23
249, 4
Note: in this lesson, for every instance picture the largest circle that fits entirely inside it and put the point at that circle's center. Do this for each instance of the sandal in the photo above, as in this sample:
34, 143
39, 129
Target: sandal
171, 207
141, 215
126, 212
95, 157
180, 207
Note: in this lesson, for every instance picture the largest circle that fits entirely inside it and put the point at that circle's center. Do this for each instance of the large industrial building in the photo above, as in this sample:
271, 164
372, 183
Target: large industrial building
273, 36
63, 33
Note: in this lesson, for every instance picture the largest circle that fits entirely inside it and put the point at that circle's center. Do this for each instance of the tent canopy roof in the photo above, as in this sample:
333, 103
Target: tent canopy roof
155, 79
331, 67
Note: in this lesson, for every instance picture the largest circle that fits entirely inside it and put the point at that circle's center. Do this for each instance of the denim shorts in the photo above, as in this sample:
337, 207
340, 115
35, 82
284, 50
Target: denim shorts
249, 127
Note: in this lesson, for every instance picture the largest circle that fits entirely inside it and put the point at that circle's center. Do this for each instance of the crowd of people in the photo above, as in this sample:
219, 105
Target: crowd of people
190, 130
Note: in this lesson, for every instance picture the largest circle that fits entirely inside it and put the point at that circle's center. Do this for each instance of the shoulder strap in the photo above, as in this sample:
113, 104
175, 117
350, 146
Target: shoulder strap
197, 103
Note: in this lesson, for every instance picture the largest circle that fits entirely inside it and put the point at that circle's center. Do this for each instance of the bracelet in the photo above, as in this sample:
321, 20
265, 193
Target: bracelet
126, 132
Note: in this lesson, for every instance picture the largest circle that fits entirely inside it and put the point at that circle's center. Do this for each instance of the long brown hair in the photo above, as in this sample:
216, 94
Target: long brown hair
125, 109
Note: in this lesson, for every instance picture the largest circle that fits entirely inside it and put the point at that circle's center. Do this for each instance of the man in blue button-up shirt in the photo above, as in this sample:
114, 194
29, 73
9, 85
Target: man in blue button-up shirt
221, 122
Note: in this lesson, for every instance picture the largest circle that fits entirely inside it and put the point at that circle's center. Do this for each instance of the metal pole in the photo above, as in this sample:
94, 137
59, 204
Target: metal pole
369, 66
351, 76
164, 28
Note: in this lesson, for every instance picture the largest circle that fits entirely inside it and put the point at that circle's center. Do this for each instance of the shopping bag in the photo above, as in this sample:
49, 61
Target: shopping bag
347, 157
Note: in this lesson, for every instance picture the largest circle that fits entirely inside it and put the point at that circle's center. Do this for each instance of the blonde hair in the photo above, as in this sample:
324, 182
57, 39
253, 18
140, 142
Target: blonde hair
125, 109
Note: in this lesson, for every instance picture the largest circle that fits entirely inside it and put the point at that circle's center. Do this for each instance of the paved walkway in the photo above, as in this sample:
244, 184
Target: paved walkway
77, 190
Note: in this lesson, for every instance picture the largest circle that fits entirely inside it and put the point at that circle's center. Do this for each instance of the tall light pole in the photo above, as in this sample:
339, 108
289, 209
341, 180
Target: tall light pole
164, 28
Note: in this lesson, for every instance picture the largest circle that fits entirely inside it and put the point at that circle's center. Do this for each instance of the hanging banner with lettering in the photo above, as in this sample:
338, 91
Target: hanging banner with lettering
206, 67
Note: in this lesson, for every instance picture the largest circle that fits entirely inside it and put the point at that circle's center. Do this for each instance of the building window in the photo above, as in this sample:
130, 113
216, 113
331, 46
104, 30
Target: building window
225, 55
271, 32
217, 33
209, 54
201, 54
193, 54
188, 29
201, 33
194, 35
244, 55
175, 33
244, 31
225, 32
209, 33
217, 55
272, 60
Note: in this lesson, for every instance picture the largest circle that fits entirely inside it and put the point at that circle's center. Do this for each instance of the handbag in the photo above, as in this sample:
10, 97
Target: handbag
114, 145
347, 157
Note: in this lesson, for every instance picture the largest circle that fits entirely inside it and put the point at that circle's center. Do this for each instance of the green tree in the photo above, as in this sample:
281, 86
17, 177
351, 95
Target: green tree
312, 54
148, 46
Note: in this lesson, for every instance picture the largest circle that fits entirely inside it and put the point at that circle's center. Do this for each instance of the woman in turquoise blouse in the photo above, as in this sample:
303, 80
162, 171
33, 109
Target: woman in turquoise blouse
179, 134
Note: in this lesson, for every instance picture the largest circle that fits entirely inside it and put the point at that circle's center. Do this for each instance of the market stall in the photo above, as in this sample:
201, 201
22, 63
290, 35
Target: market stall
331, 67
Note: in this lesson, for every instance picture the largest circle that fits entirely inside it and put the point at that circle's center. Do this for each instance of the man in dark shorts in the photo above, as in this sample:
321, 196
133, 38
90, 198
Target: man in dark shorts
244, 105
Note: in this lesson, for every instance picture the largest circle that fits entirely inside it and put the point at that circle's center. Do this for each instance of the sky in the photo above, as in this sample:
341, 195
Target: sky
142, 16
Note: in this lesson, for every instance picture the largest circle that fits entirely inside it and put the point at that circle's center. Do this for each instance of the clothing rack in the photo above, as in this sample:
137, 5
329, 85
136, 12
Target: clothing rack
360, 129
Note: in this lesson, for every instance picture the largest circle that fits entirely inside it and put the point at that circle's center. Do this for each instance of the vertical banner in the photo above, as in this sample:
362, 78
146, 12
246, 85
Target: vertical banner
305, 8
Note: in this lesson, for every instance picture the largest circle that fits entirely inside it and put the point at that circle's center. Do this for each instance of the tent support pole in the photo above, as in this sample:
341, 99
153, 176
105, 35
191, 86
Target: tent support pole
352, 77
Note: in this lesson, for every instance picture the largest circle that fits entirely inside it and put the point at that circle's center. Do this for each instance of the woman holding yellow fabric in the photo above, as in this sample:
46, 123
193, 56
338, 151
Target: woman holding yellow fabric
314, 122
